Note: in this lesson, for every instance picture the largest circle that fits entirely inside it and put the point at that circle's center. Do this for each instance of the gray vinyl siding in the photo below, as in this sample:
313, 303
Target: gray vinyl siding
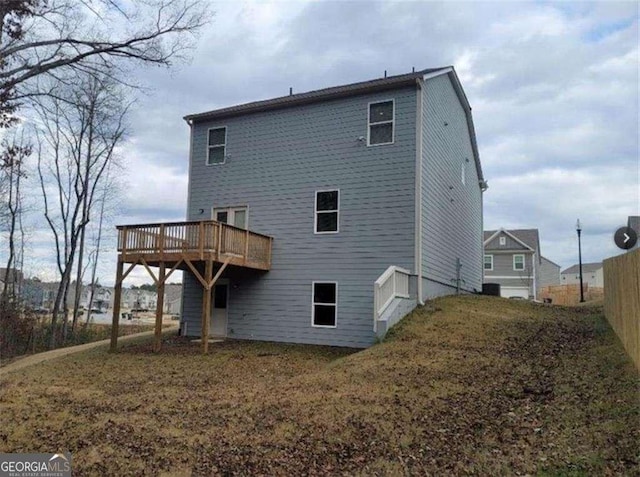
549, 273
276, 161
510, 244
503, 265
451, 212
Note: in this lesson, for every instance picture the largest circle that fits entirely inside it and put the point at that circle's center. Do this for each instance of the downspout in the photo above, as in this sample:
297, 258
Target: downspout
418, 189
183, 324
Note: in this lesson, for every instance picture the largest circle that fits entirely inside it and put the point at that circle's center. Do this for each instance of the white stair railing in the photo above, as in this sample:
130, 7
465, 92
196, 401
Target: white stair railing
393, 283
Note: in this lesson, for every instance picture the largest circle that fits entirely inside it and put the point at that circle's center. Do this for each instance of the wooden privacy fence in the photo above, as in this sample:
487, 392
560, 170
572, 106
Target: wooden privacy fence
570, 294
622, 300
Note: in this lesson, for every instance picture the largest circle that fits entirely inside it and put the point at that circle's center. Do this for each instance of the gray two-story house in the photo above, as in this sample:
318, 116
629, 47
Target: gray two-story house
345, 208
512, 259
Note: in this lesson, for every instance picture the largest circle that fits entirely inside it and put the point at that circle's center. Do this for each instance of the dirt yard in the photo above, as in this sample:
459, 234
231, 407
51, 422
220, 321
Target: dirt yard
472, 385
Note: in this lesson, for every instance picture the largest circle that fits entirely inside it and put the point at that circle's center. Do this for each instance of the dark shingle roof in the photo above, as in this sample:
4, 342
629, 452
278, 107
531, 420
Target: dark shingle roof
379, 84
634, 223
586, 268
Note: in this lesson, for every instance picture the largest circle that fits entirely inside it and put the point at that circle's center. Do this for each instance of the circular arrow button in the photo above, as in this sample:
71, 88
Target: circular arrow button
625, 238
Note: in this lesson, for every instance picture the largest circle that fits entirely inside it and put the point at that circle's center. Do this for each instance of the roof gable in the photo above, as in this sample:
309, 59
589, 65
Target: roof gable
519, 239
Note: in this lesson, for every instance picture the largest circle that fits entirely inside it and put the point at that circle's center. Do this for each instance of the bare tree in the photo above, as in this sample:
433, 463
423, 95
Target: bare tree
14, 152
63, 38
95, 255
81, 127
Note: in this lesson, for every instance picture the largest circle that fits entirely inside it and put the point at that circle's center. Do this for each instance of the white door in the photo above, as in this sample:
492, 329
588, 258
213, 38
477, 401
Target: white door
236, 216
218, 320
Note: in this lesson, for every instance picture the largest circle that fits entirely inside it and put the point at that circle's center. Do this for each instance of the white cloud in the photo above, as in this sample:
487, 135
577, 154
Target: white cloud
553, 86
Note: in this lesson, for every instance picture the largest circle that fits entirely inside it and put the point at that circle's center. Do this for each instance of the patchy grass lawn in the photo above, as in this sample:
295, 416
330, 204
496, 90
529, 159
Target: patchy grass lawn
468, 385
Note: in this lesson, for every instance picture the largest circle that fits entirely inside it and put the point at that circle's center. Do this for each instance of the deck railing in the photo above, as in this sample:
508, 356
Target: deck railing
394, 282
198, 239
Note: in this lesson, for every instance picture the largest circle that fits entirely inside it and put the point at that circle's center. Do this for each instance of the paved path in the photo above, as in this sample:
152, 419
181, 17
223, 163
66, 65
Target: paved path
56, 353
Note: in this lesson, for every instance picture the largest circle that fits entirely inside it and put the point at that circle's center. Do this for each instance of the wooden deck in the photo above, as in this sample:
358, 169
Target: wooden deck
192, 246
193, 241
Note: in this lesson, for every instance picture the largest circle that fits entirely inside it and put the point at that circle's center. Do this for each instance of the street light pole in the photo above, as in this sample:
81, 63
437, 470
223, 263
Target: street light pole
579, 230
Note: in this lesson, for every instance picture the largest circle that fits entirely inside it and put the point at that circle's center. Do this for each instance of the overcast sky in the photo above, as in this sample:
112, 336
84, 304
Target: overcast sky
553, 87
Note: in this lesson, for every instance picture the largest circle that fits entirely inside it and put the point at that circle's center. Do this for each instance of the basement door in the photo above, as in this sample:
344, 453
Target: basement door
218, 319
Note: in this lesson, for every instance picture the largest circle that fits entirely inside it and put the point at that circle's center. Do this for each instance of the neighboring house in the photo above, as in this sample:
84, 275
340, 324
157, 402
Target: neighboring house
549, 273
512, 258
38, 294
345, 183
173, 298
102, 297
592, 275
137, 299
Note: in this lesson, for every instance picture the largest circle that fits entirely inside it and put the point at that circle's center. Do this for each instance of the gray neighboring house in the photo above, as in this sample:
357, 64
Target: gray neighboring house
372, 193
173, 298
592, 275
38, 294
549, 273
512, 258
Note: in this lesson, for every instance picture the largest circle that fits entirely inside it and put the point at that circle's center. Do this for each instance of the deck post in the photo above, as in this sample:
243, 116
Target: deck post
246, 246
116, 307
206, 306
219, 248
157, 343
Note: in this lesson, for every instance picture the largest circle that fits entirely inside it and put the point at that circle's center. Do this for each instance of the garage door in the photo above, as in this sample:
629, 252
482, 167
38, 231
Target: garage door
508, 292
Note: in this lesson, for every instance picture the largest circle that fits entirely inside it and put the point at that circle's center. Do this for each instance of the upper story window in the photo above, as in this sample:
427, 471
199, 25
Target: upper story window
503, 240
518, 262
381, 123
327, 211
488, 262
216, 145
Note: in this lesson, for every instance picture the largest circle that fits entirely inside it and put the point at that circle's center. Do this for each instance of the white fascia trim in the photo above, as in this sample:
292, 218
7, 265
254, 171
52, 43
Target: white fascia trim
435, 74
512, 277
418, 192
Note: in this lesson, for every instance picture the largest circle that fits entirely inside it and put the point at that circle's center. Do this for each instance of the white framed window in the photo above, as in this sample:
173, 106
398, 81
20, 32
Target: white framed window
216, 145
381, 123
518, 262
503, 240
327, 212
324, 304
236, 216
488, 262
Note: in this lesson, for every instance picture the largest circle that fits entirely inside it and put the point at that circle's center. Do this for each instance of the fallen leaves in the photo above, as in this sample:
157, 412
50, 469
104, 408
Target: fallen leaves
466, 385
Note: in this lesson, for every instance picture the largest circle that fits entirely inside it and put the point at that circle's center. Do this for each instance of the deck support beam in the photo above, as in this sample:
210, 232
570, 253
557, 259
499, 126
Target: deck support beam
206, 305
116, 307
157, 343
